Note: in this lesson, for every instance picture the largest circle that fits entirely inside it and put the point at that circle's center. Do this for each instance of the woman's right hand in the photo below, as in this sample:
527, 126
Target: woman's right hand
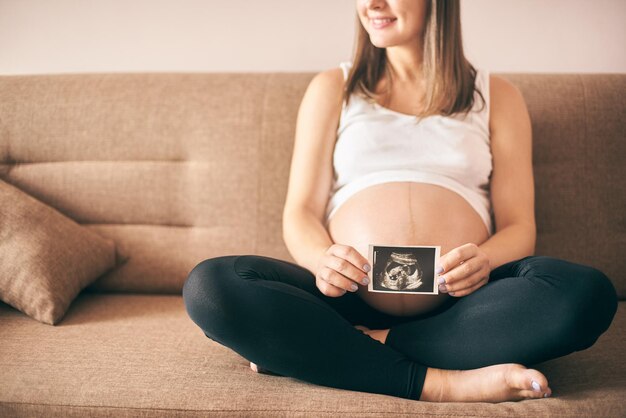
339, 268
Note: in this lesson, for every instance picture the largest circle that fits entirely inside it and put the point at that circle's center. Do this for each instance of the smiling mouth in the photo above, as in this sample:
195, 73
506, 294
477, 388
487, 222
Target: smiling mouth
382, 23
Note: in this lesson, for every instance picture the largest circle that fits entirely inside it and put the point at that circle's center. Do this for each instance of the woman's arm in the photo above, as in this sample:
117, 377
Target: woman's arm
512, 188
311, 172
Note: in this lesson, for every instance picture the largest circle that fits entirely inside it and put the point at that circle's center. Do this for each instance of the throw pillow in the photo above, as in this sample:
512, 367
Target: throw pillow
46, 258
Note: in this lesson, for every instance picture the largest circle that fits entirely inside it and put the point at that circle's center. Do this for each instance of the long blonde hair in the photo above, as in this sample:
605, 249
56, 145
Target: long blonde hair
449, 76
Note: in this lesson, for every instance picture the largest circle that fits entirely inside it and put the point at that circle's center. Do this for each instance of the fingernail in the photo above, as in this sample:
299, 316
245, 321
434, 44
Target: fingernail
442, 280
439, 270
546, 395
442, 288
366, 267
536, 386
365, 280
354, 286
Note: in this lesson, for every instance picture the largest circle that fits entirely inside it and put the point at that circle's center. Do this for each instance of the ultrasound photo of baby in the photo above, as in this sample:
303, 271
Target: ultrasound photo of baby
403, 269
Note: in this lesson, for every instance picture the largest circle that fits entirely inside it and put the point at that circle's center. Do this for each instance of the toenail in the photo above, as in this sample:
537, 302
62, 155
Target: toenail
536, 386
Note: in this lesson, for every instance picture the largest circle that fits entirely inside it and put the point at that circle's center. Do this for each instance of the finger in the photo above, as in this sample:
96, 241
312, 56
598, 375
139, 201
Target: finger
464, 282
355, 258
461, 272
347, 269
457, 256
329, 289
467, 290
331, 276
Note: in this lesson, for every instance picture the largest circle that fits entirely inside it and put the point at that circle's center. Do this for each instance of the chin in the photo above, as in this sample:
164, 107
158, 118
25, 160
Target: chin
384, 42
381, 44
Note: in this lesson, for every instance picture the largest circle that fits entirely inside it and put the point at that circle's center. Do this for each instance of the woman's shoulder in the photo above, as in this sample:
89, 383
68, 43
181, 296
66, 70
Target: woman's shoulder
503, 90
496, 84
508, 106
332, 81
325, 93
329, 81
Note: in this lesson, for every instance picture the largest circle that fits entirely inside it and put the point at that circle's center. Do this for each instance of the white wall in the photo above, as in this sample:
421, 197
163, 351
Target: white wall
61, 36
583, 36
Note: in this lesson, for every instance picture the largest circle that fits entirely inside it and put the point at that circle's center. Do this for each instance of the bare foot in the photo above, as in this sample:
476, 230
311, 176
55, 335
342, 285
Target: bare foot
497, 383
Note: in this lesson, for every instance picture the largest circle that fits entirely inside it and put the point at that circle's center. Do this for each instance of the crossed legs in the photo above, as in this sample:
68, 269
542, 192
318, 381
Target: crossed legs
270, 312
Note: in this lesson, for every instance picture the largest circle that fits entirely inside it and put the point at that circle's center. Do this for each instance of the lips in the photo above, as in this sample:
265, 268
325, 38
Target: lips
380, 23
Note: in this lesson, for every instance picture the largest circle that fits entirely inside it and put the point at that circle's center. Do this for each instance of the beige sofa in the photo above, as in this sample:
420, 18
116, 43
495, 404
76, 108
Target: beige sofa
177, 168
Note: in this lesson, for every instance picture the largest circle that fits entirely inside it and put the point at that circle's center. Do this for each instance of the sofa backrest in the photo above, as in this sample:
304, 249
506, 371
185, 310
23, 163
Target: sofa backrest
180, 167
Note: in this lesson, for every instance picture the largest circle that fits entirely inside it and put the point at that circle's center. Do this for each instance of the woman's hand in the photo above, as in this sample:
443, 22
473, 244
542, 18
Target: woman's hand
465, 269
339, 269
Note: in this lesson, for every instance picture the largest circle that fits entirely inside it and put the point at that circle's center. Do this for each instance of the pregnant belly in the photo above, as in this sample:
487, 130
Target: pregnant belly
405, 213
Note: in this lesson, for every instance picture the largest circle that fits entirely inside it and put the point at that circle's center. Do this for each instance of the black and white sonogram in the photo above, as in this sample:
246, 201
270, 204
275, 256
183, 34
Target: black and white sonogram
403, 269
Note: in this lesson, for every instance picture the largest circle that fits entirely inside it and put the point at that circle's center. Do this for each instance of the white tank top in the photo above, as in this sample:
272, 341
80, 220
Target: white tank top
378, 145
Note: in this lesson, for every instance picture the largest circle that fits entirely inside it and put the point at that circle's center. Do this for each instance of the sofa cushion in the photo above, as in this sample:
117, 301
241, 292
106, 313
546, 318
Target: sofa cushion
46, 259
139, 355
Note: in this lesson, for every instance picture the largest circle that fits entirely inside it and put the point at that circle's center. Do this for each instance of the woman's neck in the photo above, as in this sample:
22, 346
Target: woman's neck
405, 63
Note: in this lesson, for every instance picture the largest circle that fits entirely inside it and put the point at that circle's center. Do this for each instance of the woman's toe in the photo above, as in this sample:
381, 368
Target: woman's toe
537, 383
531, 382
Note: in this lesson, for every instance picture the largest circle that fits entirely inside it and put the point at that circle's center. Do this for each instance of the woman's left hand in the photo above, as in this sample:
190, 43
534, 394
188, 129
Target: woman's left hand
465, 269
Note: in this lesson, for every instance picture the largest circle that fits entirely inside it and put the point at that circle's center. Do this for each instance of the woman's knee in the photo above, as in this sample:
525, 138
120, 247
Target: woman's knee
204, 292
567, 275
586, 296
601, 295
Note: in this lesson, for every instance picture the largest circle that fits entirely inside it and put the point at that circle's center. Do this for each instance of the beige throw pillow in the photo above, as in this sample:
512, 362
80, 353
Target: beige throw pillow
46, 258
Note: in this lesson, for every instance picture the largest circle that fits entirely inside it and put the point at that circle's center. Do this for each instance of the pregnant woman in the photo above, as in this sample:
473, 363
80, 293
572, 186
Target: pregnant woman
408, 144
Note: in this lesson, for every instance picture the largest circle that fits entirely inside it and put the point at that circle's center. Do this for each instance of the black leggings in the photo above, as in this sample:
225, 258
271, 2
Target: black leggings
270, 312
